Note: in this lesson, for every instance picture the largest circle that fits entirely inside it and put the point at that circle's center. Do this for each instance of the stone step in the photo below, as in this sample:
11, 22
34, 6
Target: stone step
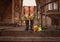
30, 36
31, 33
10, 24
29, 39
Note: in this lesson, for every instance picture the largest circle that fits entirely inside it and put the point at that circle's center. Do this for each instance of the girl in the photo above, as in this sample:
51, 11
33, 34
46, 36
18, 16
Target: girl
29, 12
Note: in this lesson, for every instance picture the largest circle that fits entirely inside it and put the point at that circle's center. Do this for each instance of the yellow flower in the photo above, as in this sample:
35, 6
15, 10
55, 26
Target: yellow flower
39, 28
35, 28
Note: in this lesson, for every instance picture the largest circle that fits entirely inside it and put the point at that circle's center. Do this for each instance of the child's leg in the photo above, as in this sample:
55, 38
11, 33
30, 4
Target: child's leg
31, 21
32, 10
31, 24
26, 9
27, 25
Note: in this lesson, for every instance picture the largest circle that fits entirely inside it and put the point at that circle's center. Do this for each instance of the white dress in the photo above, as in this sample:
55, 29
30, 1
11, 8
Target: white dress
29, 3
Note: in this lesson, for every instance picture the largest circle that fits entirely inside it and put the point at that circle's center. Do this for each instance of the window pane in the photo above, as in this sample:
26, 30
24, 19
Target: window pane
55, 5
50, 6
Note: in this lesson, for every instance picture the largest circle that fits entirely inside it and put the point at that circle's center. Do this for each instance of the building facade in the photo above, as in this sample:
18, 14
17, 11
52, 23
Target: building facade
47, 12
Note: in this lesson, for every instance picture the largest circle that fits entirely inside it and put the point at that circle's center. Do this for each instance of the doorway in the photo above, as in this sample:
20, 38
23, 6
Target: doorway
5, 11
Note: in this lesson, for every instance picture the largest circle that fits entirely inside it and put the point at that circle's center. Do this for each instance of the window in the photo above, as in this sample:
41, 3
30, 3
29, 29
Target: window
53, 6
50, 7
